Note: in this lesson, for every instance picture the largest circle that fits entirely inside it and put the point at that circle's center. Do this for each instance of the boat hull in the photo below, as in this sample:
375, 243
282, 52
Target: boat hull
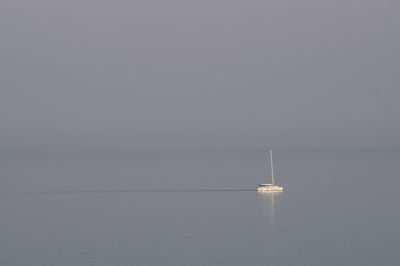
269, 189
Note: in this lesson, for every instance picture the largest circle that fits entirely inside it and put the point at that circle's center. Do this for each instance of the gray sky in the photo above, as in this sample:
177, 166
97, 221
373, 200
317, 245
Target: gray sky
211, 73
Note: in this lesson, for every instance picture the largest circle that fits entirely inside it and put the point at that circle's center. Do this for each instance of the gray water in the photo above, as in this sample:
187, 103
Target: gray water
199, 208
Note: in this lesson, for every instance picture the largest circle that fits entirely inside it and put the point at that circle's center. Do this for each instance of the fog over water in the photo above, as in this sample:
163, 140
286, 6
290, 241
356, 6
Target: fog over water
194, 74
338, 208
134, 132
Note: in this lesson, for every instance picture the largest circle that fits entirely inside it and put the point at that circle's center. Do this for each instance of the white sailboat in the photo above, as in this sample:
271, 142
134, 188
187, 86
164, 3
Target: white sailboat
270, 187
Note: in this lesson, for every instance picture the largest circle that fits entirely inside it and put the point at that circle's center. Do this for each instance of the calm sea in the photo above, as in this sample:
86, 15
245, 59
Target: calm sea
198, 208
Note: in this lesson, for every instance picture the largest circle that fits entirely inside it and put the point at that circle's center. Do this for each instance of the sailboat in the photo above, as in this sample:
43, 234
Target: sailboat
270, 187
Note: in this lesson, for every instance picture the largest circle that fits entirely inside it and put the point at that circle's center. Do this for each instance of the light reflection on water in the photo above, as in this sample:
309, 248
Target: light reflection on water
93, 211
269, 199
270, 208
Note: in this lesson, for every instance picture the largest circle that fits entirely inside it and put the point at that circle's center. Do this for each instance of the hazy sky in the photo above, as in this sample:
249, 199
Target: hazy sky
223, 73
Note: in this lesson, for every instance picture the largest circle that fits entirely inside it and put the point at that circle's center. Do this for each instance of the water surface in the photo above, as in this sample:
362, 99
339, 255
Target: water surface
199, 208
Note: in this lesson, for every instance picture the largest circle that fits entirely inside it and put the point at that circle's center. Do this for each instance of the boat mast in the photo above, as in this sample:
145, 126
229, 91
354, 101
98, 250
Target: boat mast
272, 167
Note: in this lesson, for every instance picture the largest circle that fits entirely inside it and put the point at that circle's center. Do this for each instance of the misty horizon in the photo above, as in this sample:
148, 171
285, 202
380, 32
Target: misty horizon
89, 75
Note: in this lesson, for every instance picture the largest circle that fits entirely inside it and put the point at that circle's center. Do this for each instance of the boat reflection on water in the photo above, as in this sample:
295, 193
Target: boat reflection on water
270, 202
269, 206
